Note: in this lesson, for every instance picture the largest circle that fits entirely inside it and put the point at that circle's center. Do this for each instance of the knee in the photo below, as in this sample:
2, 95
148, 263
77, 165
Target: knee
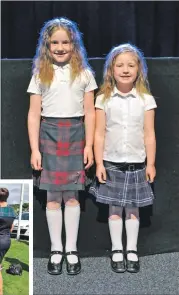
132, 213
72, 202
114, 217
53, 205
133, 216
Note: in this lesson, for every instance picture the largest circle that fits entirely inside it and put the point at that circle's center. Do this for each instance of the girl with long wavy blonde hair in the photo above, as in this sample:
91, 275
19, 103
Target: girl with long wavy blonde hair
43, 61
61, 123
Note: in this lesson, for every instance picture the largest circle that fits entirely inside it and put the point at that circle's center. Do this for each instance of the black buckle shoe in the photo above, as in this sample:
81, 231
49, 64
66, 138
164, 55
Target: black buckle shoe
132, 266
55, 268
118, 266
73, 268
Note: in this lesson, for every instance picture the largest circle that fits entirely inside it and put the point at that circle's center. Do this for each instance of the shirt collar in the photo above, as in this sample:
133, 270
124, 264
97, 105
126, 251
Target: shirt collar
132, 93
56, 67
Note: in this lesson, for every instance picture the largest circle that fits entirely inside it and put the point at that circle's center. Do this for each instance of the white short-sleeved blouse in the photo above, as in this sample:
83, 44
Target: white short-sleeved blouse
63, 99
124, 137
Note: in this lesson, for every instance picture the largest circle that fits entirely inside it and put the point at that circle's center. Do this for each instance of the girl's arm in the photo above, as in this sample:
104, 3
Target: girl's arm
150, 144
89, 111
34, 116
99, 144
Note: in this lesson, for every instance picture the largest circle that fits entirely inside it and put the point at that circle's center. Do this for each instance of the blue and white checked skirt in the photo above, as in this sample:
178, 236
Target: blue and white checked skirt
129, 188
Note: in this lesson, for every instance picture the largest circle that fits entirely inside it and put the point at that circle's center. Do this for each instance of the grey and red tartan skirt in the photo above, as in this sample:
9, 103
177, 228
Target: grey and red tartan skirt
62, 148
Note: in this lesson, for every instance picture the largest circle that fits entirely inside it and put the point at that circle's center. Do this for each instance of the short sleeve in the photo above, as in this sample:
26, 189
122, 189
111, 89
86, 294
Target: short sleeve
34, 86
150, 103
99, 102
91, 83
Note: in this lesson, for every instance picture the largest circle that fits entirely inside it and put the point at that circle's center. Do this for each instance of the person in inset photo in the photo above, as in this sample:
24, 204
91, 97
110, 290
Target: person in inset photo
7, 216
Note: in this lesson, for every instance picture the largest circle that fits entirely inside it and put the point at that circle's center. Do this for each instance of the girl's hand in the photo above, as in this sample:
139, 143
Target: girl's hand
36, 160
150, 173
88, 157
101, 173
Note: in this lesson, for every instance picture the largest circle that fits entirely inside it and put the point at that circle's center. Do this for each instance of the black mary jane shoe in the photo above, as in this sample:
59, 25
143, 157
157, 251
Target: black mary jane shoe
132, 266
55, 268
73, 268
118, 266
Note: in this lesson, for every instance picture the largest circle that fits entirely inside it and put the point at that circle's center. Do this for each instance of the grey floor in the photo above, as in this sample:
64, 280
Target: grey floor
159, 274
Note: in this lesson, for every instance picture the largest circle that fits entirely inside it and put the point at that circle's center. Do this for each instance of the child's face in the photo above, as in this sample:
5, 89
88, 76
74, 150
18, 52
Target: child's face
60, 46
125, 69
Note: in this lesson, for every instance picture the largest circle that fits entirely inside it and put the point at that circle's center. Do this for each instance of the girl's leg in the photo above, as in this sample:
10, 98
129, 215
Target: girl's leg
132, 230
54, 221
71, 218
1, 282
115, 227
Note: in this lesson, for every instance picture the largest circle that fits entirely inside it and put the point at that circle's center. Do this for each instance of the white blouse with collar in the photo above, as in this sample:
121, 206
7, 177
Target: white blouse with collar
63, 99
124, 135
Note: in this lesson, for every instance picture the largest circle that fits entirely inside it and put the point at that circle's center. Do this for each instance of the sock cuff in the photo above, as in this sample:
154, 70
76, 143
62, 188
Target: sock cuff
119, 220
131, 220
72, 206
55, 209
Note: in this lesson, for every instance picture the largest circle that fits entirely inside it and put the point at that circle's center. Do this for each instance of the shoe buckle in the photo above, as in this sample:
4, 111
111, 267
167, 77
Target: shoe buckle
131, 167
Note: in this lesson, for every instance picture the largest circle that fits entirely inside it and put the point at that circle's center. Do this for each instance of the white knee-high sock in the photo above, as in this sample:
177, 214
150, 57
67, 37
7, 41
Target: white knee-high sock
115, 229
132, 230
54, 221
71, 218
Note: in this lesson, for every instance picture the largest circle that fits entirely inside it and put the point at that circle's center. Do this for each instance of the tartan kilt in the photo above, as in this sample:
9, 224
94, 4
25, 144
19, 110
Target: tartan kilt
62, 148
124, 189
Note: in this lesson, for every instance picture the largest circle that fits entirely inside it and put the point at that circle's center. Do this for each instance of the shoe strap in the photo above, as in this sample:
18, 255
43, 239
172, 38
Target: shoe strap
72, 253
56, 252
131, 251
117, 251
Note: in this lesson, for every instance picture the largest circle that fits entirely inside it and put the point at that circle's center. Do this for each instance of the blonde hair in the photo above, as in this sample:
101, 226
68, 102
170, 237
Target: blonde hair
141, 84
43, 62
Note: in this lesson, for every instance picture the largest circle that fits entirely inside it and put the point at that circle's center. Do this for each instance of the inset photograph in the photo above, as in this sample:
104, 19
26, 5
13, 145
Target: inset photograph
15, 234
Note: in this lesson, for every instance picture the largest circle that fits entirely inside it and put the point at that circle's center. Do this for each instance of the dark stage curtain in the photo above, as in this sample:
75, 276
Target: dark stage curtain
152, 25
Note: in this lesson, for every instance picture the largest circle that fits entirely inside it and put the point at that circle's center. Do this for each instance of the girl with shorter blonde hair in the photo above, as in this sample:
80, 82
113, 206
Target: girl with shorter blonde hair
61, 123
141, 83
124, 140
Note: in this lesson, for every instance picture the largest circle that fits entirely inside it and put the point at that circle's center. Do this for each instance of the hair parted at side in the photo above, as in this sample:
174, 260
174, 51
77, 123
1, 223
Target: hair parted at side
4, 194
43, 62
141, 84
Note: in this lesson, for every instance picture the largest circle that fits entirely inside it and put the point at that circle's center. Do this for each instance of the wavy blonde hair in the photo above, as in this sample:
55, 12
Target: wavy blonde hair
141, 84
43, 61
